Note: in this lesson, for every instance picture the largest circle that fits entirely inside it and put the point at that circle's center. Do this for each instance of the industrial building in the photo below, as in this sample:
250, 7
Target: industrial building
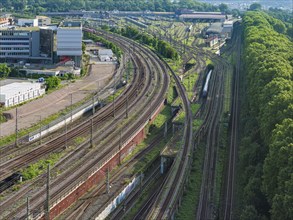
204, 16
69, 41
26, 45
221, 29
27, 22
105, 54
43, 20
16, 93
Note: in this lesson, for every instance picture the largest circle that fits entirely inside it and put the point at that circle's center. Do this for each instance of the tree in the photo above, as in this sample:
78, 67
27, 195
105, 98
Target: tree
255, 7
223, 7
53, 82
4, 70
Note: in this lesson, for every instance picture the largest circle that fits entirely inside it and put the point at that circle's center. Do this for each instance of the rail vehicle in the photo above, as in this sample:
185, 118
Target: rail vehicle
136, 22
206, 85
189, 28
9, 181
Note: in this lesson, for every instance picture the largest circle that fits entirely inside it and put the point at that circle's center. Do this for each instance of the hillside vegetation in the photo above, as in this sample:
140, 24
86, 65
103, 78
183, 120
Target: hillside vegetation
38, 6
266, 151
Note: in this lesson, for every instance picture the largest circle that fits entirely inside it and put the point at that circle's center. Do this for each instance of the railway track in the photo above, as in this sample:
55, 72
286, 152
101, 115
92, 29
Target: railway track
163, 209
228, 203
184, 160
163, 82
79, 211
206, 204
8, 167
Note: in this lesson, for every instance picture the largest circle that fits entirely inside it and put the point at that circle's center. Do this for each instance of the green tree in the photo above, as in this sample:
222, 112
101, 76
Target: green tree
223, 7
4, 70
255, 7
53, 82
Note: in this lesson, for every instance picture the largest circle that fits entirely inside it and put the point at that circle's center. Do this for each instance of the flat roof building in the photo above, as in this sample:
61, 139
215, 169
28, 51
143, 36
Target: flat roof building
16, 93
105, 54
27, 22
204, 16
43, 20
26, 44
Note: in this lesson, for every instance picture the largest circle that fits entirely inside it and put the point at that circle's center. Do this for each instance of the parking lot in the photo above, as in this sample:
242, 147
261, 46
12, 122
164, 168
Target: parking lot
56, 101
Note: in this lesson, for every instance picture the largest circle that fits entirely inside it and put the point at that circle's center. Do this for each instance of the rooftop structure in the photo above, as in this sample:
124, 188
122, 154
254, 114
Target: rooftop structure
27, 22
43, 20
16, 93
210, 16
223, 30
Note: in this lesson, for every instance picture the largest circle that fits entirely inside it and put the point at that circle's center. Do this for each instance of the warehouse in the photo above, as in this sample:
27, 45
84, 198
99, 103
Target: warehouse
105, 54
16, 93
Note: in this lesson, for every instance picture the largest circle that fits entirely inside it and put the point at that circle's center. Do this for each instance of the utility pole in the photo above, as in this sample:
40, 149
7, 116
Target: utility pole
126, 106
166, 130
92, 131
93, 105
108, 180
114, 104
65, 131
47, 204
71, 105
120, 145
16, 127
40, 129
27, 208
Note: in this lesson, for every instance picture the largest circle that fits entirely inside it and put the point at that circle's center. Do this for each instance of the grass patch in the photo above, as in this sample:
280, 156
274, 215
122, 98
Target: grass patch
114, 95
189, 82
194, 108
79, 140
172, 92
180, 118
156, 128
39, 167
196, 124
177, 101
187, 210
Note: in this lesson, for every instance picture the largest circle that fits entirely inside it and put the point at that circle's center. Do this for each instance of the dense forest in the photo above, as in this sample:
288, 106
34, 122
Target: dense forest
38, 6
266, 150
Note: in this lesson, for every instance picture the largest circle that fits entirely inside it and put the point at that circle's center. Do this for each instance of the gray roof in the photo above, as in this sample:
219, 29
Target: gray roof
103, 52
215, 28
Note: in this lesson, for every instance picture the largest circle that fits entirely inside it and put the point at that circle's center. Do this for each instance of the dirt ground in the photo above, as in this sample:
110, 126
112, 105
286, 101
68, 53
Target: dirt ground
30, 113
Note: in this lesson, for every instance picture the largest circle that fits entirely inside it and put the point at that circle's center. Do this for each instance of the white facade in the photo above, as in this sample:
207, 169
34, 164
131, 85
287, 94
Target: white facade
27, 22
17, 93
69, 41
43, 20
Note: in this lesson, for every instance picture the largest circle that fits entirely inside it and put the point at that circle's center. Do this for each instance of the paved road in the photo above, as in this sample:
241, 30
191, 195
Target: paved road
56, 101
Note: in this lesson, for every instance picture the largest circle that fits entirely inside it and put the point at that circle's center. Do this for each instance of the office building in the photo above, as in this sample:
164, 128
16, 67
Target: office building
26, 45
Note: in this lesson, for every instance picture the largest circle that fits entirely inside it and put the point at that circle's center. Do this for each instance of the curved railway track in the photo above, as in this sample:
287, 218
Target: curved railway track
209, 126
162, 82
178, 180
